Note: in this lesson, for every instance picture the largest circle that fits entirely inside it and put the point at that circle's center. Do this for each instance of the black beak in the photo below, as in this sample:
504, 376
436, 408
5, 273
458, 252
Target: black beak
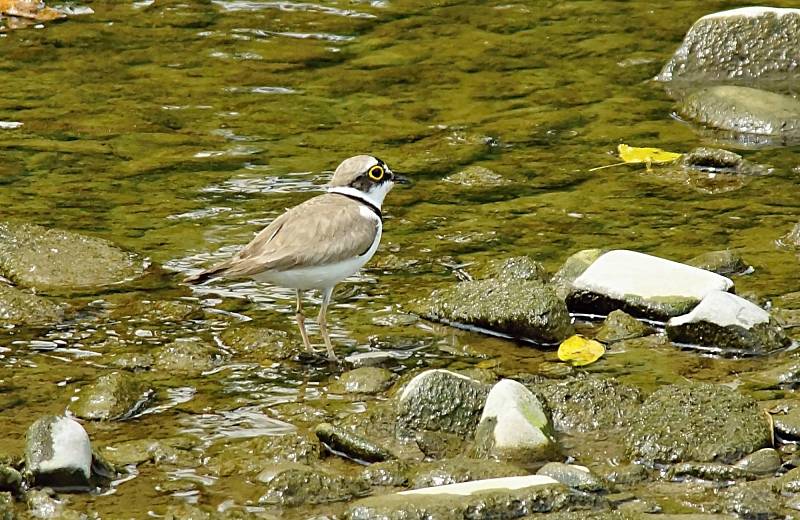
399, 179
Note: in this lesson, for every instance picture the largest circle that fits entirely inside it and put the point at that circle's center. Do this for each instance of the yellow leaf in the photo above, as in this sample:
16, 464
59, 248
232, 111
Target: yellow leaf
648, 156
580, 351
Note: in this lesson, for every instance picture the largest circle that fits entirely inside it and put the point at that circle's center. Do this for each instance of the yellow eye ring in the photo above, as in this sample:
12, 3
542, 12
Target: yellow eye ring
376, 173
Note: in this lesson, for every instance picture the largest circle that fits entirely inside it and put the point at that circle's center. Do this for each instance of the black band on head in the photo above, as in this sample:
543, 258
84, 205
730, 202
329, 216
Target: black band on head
375, 209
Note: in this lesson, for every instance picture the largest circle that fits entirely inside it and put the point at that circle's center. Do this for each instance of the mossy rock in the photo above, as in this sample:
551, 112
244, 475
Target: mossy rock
114, 396
56, 261
699, 422
22, 308
293, 484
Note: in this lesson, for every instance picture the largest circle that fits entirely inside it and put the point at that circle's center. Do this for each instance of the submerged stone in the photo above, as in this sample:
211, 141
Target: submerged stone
576, 477
114, 396
7, 506
697, 422
642, 285
51, 260
572, 268
441, 400
519, 308
619, 326
730, 323
494, 498
293, 484
22, 308
43, 505
439, 445
364, 380
743, 110
185, 355
10, 479
249, 338
514, 268
351, 445
58, 453
712, 471
725, 262
753, 500
765, 461
749, 44
477, 176
250, 456
514, 425
391, 473
158, 451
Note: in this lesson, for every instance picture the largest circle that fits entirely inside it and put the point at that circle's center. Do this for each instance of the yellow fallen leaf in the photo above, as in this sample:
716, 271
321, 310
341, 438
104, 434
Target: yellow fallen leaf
648, 156
579, 351
31, 9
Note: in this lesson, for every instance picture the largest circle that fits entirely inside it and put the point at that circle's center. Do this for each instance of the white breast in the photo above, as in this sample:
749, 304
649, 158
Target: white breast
323, 276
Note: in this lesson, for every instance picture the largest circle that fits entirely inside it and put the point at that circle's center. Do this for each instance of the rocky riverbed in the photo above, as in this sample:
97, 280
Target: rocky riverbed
125, 393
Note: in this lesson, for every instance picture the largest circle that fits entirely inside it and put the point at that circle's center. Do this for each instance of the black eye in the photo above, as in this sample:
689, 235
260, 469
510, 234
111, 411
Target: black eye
376, 173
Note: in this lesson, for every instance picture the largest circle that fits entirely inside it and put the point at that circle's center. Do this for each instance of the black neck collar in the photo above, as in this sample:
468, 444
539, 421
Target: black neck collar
372, 207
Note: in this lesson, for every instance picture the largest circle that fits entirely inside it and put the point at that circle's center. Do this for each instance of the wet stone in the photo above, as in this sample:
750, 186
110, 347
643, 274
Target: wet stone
293, 484
709, 471
642, 285
743, 110
441, 400
365, 380
51, 260
765, 461
730, 323
790, 482
784, 374
712, 49
41, 504
626, 474
373, 359
477, 176
514, 425
589, 404
462, 469
619, 326
253, 455
787, 425
185, 355
22, 308
572, 268
439, 445
10, 479
392, 473
515, 268
351, 445
576, 477
753, 500
58, 453
520, 308
133, 361
718, 161
725, 262
114, 396
7, 506
697, 422
168, 451
250, 339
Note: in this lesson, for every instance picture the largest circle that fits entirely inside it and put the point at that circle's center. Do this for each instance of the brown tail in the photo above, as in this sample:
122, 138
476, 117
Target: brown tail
204, 276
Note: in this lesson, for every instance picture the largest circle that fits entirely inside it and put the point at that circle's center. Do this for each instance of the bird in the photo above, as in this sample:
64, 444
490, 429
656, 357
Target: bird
319, 242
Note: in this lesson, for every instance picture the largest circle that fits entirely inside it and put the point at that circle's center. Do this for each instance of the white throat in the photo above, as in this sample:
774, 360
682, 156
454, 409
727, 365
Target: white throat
375, 196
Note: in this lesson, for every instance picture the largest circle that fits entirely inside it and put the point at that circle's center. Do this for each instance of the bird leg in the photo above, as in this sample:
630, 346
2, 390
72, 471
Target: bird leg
323, 322
301, 320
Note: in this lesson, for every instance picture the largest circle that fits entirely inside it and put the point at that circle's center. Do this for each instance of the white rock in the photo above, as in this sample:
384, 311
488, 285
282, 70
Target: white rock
520, 418
621, 273
724, 309
58, 446
477, 486
752, 12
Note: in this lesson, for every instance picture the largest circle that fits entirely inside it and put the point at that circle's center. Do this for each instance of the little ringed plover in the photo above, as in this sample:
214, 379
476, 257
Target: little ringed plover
320, 242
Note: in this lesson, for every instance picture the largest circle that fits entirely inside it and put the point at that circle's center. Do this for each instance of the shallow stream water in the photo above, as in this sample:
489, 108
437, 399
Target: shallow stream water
177, 129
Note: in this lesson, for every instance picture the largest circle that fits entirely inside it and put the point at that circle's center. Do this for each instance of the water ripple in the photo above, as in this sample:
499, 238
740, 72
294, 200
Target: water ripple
247, 5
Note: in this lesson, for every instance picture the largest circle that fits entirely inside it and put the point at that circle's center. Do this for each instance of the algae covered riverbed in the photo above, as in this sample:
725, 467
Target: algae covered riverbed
176, 130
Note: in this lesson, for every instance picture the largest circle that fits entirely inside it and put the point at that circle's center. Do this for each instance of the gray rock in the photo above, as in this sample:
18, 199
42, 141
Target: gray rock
743, 110
364, 380
51, 260
441, 400
248, 338
697, 422
641, 285
589, 404
620, 325
292, 484
729, 323
514, 425
22, 308
42, 505
351, 445
58, 453
114, 396
185, 355
576, 477
725, 262
741, 45
495, 498
10, 479
765, 461
514, 268
391, 473
519, 308
573, 267
462, 469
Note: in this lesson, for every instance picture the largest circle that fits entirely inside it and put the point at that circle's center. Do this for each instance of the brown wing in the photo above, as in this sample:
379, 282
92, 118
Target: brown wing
323, 230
